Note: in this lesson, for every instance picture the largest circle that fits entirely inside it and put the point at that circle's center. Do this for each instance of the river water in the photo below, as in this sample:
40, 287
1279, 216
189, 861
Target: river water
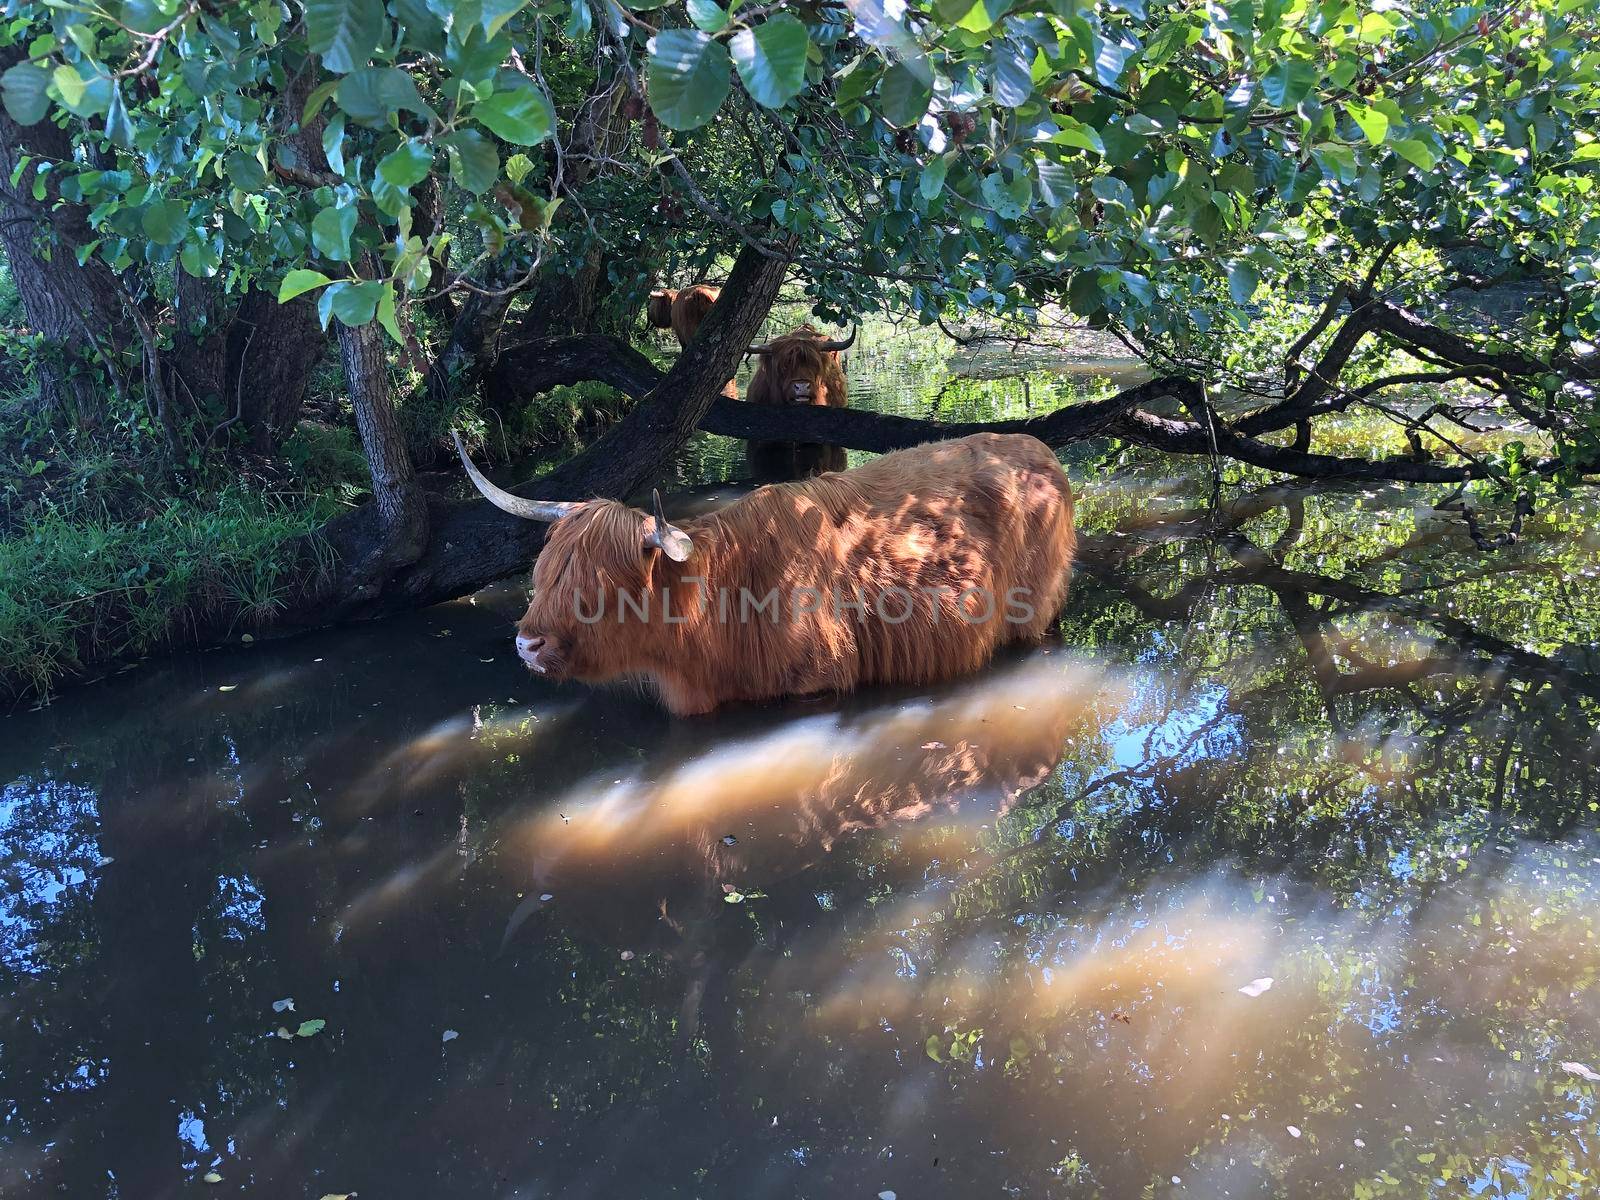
1275, 874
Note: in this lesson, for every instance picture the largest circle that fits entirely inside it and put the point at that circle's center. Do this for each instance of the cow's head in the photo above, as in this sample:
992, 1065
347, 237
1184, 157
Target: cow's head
593, 550
801, 367
659, 310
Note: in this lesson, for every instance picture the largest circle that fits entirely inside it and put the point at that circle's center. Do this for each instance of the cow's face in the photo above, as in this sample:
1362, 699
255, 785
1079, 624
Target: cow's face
796, 369
659, 310
571, 629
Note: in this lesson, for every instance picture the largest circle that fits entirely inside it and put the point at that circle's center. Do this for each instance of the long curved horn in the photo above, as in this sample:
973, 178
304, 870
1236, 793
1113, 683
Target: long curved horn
666, 537
528, 510
835, 345
762, 348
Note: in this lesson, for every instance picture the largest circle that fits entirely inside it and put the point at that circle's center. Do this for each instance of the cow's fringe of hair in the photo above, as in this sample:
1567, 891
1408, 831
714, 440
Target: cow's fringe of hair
798, 355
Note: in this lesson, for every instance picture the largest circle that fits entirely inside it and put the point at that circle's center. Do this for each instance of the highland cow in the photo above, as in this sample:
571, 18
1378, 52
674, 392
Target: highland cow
681, 310
801, 367
909, 570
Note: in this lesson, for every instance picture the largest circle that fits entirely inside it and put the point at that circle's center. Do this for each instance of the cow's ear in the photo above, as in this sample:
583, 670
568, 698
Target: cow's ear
664, 536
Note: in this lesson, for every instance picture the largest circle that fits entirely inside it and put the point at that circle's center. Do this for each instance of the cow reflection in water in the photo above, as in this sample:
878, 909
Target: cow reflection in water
624, 854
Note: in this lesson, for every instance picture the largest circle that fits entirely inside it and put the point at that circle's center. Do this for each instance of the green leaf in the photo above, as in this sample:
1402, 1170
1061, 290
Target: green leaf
518, 112
1008, 198
1372, 122
688, 77
318, 97
1289, 82
344, 32
707, 15
1416, 152
200, 259
165, 221
312, 1028
932, 181
22, 88
1243, 279
474, 162
372, 94
903, 96
299, 282
118, 127
333, 143
497, 12
331, 230
772, 59
70, 86
245, 171
353, 303
407, 165
1076, 133
1012, 81
579, 20
517, 167
387, 316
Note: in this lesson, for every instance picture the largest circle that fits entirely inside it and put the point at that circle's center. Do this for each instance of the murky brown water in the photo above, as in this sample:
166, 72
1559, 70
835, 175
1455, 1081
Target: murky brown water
1274, 875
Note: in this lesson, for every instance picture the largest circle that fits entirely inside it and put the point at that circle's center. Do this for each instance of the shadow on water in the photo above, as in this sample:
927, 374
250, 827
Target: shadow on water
1274, 875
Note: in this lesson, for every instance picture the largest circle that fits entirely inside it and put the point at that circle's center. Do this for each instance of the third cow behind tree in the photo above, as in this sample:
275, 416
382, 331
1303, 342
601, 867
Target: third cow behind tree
801, 367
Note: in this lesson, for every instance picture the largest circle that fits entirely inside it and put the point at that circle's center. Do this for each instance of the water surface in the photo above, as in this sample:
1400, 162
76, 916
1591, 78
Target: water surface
1274, 874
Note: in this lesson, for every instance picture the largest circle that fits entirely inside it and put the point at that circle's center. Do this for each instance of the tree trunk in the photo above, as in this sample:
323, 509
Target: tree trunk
401, 506
272, 351
76, 310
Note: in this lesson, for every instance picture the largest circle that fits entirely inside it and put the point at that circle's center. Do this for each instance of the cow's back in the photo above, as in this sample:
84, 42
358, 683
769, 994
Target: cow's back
941, 535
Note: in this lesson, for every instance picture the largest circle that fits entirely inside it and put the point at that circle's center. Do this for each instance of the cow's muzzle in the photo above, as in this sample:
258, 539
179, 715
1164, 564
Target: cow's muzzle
531, 651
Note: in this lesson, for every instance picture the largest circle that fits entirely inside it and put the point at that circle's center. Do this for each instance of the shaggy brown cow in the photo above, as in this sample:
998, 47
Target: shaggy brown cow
681, 310
911, 569
801, 367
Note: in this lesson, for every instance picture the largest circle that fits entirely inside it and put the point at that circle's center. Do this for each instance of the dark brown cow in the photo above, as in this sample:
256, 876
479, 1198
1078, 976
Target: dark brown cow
801, 367
911, 569
681, 310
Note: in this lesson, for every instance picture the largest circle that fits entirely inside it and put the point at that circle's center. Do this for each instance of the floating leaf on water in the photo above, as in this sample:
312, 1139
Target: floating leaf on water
547, 896
734, 898
450, 1035
283, 1033
284, 1005
1257, 986
1581, 1070
339, 1196
227, 687
885, 1195
310, 1028
1294, 1130
728, 839
627, 956
211, 1177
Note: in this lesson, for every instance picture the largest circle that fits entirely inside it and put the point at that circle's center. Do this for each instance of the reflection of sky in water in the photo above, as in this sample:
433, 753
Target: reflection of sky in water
1175, 731
240, 907
48, 845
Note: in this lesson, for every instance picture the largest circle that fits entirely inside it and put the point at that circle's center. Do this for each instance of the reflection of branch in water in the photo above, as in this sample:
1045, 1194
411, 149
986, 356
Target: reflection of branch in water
1100, 557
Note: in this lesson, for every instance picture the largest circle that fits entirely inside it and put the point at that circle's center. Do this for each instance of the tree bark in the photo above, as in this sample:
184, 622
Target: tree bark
273, 349
77, 310
401, 506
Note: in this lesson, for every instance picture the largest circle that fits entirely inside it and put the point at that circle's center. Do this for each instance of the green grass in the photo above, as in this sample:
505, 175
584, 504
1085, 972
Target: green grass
76, 585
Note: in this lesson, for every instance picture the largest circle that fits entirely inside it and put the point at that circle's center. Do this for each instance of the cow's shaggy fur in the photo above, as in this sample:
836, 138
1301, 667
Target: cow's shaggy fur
796, 357
681, 310
946, 524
